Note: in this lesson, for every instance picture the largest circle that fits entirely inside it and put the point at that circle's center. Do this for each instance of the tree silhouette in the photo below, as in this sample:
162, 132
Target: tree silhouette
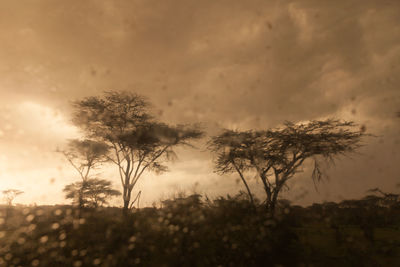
92, 192
10, 194
84, 156
277, 154
383, 198
139, 143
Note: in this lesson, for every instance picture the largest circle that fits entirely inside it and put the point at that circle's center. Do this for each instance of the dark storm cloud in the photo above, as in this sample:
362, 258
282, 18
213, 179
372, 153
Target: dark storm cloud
235, 64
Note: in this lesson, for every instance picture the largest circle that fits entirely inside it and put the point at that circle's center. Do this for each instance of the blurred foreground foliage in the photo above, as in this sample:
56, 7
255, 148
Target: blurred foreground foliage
190, 231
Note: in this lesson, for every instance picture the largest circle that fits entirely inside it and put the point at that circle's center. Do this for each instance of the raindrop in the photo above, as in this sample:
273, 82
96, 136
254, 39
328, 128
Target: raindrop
83, 252
30, 217
62, 236
8, 256
55, 226
58, 212
31, 227
44, 239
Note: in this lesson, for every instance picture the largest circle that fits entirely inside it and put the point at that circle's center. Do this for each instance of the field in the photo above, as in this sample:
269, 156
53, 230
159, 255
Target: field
189, 232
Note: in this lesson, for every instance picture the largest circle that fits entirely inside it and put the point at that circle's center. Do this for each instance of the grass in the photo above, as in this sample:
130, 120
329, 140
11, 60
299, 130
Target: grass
188, 232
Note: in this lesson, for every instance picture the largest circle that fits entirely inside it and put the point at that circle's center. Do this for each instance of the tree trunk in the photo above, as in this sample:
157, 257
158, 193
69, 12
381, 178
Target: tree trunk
245, 184
126, 195
125, 210
127, 200
248, 192
126, 185
269, 195
272, 205
274, 200
80, 197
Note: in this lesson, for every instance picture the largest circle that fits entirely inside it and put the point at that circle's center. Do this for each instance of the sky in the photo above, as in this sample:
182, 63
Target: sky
224, 63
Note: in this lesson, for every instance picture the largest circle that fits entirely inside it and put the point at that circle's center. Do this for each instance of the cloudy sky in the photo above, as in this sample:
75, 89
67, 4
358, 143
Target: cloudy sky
224, 63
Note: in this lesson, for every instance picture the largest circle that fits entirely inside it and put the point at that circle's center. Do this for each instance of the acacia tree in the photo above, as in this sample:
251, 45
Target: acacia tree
276, 155
84, 156
138, 142
93, 192
383, 198
10, 194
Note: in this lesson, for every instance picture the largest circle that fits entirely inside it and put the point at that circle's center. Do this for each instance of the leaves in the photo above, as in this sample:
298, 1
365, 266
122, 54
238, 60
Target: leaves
139, 143
85, 155
116, 111
93, 192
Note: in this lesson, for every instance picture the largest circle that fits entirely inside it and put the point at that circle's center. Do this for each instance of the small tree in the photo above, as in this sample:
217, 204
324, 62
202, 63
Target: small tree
84, 156
10, 194
276, 155
93, 192
383, 198
138, 142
